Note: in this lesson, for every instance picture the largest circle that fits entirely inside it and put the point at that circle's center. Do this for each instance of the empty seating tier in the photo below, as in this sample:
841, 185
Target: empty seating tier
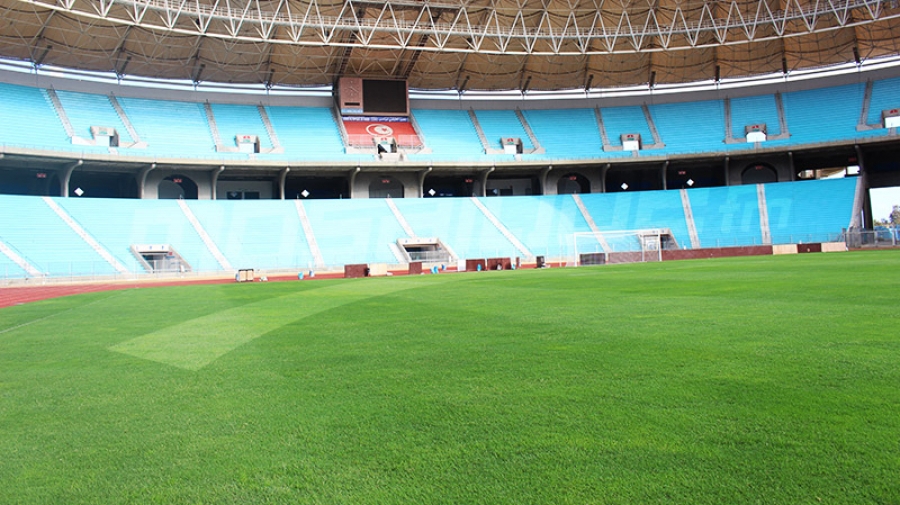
267, 234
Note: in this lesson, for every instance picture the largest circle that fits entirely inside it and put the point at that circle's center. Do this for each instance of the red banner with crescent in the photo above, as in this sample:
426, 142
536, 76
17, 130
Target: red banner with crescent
363, 130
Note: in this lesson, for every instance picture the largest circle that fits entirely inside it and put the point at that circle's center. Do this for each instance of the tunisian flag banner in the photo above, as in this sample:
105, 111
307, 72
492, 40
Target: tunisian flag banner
361, 129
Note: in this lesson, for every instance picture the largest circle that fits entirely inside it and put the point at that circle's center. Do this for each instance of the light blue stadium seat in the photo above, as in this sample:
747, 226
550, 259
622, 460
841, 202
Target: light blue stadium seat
459, 224
500, 124
810, 211
258, 234
306, 133
170, 128
354, 231
566, 133
726, 216
27, 119
233, 120
37, 233
120, 223
545, 224
754, 110
827, 114
639, 210
885, 96
85, 110
691, 127
449, 134
9, 269
624, 120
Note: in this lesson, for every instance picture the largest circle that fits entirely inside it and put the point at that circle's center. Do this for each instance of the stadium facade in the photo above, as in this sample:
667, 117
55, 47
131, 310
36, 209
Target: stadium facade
249, 99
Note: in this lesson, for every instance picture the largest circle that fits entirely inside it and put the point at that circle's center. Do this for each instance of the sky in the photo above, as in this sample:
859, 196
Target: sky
883, 201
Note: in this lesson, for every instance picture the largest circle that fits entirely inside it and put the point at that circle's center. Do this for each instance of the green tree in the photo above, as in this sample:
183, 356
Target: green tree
895, 216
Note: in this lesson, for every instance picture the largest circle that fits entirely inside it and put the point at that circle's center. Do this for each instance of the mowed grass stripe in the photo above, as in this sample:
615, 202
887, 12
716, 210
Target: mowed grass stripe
195, 343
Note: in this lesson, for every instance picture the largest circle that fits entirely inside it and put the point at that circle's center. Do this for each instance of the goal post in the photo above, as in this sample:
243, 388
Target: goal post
621, 246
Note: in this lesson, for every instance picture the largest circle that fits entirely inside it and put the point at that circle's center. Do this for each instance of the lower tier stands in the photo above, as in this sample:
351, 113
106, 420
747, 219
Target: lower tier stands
727, 216
361, 232
121, 223
545, 225
459, 223
87, 237
807, 213
45, 241
261, 234
639, 210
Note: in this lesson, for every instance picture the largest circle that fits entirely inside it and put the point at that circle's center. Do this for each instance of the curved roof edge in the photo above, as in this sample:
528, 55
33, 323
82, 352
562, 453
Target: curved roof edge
23, 73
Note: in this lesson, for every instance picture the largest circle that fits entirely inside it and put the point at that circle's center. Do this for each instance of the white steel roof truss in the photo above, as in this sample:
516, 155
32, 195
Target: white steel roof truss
102, 7
665, 35
809, 16
841, 12
366, 28
235, 17
267, 23
171, 16
205, 16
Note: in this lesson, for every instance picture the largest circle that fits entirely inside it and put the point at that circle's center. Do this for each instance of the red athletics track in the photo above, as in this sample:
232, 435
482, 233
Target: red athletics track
18, 295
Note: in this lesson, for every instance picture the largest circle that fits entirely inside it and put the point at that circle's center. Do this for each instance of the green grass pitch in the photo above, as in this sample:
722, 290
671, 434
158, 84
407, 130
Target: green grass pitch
766, 380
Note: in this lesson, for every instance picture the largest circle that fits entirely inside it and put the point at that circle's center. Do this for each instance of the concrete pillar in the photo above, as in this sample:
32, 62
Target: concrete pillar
66, 176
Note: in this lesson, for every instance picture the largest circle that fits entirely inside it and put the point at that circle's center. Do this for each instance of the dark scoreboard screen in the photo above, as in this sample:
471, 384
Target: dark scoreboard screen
384, 97
357, 96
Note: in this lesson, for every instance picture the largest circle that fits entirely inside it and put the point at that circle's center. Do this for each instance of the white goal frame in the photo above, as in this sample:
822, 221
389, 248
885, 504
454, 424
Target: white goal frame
620, 246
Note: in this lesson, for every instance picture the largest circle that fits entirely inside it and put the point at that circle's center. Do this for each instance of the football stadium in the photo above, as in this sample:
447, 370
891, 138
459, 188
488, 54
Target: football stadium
531, 251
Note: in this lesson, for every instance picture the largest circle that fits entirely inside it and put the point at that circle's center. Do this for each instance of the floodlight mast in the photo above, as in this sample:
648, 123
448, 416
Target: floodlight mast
561, 29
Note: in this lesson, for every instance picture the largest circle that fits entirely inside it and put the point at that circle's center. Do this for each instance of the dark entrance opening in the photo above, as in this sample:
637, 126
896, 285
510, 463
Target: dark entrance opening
177, 186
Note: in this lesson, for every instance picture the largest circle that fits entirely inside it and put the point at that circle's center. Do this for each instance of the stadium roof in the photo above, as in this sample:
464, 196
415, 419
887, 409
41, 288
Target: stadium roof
449, 44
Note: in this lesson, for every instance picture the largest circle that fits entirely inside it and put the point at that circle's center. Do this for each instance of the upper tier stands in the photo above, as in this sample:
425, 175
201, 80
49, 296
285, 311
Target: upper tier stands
85, 110
170, 129
691, 127
566, 133
449, 133
500, 124
27, 119
175, 129
827, 114
885, 96
306, 133
267, 234
232, 120
754, 110
623, 120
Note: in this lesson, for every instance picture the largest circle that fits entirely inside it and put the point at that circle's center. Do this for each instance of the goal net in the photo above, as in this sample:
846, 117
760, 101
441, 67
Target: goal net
621, 246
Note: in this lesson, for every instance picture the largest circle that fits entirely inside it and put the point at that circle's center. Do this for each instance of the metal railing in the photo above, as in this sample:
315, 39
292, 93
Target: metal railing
429, 256
881, 236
